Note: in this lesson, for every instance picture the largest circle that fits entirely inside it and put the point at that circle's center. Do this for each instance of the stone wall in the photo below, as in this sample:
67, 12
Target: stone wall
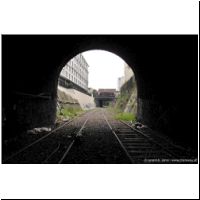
127, 100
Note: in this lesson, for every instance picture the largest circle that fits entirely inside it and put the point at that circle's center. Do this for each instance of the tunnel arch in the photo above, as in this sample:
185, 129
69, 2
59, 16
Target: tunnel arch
86, 48
161, 63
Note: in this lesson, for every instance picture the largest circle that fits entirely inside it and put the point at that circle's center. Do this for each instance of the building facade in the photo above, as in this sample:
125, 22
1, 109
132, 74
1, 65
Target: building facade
75, 72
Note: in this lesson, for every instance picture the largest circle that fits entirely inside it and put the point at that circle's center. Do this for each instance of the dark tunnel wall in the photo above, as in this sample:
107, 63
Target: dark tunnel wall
165, 68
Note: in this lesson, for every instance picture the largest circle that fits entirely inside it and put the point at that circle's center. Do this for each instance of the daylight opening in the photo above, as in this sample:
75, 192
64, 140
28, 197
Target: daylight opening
93, 79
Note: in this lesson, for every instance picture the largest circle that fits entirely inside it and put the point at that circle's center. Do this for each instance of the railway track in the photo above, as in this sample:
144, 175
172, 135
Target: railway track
30, 153
77, 134
143, 147
55, 147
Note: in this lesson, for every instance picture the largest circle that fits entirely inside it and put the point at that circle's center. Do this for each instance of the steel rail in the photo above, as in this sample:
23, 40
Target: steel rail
38, 140
158, 136
71, 144
171, 154
45, 136
51, 154
119, 141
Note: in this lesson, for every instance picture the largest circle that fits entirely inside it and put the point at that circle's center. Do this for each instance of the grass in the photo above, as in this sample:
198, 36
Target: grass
68, 112
118, 114
125, 116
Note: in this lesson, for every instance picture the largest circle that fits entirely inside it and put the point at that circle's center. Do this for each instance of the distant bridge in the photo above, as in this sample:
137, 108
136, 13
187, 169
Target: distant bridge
102, 101
104, 97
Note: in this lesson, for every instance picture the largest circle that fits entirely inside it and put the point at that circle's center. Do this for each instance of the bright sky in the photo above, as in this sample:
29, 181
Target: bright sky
104, 69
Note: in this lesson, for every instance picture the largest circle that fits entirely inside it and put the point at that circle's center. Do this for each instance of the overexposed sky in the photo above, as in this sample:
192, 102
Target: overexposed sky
104, 69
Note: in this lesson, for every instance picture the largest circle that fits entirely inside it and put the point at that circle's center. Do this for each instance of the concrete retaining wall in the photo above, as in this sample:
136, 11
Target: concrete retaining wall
86, 102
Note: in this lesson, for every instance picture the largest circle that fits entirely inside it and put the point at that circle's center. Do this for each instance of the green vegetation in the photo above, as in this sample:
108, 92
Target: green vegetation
120, 115
125, 117
68, 112
128, 92
125, 107
122, 100
67, 107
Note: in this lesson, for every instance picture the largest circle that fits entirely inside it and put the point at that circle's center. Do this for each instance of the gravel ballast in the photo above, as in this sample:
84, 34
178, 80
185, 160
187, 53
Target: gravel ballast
96, 144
